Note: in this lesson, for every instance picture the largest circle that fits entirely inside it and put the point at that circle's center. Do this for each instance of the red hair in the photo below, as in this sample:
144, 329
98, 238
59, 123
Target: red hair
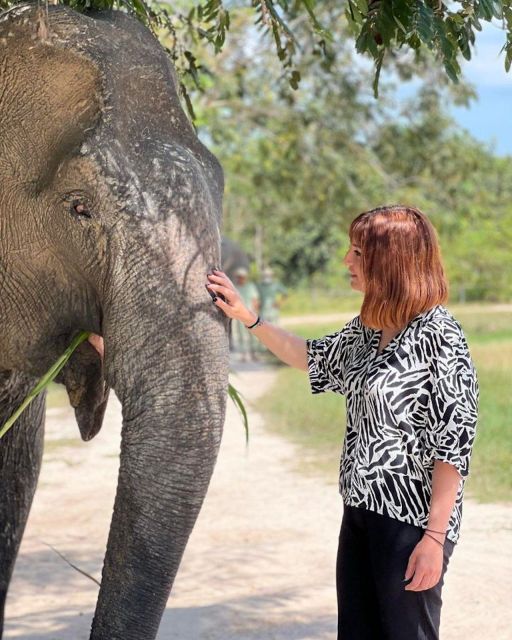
401, 265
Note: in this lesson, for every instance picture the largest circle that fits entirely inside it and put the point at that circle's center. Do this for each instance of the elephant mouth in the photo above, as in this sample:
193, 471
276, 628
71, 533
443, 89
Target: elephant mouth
83, 377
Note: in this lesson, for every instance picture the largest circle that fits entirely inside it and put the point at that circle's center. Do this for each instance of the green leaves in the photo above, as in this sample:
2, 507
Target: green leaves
381, 29
300, 165
239, 404
489, 9
391, 25
507, 47
310, 8
422, 23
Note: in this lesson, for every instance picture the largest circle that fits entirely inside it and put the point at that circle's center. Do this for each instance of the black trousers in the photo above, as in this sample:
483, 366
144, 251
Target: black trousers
372, 603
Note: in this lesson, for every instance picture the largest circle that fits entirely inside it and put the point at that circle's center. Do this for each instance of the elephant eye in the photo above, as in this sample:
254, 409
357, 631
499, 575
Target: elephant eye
79, 208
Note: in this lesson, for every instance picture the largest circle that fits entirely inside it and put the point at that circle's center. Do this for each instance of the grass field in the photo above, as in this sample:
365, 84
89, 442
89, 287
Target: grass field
316, 423
300, 301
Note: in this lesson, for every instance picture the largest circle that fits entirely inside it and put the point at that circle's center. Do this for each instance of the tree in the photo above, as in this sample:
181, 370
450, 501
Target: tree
384, 30
300, 165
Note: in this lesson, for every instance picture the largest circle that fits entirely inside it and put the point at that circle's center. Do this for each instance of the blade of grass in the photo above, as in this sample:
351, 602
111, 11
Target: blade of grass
54, 370
45, 380
238, 402
73, 566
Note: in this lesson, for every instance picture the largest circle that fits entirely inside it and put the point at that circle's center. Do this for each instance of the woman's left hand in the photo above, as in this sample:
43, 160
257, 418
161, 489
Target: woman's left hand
425, 565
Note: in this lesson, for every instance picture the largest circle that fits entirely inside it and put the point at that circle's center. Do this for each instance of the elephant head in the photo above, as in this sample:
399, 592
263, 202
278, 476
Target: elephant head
109, 221
233, 257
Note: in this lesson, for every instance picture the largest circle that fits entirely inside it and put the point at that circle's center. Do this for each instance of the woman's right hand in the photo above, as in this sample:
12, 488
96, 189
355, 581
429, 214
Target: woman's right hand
290, 349
232, 304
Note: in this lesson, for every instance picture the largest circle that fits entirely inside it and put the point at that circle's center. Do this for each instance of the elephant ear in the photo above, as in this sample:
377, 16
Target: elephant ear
87, 389
63, 85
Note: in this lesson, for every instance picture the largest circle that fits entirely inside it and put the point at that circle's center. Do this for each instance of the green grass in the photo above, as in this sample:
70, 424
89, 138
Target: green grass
490, 478
300, 302
310, 301
316, 423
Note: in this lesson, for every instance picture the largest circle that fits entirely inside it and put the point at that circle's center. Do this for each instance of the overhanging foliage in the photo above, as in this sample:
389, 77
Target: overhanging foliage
381, 28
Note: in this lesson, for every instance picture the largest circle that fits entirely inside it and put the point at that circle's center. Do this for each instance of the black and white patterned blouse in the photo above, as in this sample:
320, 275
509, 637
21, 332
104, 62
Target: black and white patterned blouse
413, 403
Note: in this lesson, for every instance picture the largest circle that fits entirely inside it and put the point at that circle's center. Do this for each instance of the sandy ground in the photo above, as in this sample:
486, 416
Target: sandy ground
260, 562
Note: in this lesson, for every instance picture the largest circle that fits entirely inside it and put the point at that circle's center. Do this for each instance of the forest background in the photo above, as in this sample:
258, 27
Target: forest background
301, 164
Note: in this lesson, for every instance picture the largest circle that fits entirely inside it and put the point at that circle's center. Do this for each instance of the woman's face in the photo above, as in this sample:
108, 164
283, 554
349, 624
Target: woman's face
353, 261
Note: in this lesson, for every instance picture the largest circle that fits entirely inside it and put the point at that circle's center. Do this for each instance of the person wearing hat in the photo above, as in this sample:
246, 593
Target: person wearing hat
244, 343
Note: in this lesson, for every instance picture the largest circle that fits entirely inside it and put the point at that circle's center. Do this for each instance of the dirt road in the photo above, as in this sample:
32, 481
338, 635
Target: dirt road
260, 561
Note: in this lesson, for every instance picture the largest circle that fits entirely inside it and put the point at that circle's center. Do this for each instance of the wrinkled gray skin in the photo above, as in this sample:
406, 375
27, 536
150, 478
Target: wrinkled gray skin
109, 221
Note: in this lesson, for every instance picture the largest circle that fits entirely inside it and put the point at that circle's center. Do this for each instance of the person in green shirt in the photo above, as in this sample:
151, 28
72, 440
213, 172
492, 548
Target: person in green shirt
242, 341
272, 293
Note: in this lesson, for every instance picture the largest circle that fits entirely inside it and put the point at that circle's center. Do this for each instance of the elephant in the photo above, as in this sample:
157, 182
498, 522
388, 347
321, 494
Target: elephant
110, 218
233, 257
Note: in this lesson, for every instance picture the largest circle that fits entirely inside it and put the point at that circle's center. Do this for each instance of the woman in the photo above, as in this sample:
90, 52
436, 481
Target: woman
411, 393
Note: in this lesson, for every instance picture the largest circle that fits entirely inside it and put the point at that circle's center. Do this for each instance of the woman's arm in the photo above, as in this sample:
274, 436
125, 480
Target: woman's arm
445, 486
289, 348
426, 561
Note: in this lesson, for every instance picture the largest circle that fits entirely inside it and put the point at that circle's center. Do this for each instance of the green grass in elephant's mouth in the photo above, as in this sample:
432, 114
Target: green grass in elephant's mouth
57, 396
45, 380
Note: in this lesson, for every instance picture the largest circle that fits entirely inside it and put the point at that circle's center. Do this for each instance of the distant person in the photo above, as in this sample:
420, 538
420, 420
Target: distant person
272, 293
412, 396
243, 342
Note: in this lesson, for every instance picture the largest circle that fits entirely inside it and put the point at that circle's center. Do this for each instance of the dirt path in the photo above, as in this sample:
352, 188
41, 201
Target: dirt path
260, 561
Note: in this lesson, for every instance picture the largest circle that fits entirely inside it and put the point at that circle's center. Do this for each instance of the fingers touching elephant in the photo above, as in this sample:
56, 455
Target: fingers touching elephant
110, 214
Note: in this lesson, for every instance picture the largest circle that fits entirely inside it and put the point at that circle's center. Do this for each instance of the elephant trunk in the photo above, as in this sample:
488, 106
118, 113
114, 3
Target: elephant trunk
172, 382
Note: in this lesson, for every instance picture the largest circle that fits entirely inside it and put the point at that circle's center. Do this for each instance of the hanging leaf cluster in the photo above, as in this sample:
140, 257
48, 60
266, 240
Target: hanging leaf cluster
381, 28
447, 29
